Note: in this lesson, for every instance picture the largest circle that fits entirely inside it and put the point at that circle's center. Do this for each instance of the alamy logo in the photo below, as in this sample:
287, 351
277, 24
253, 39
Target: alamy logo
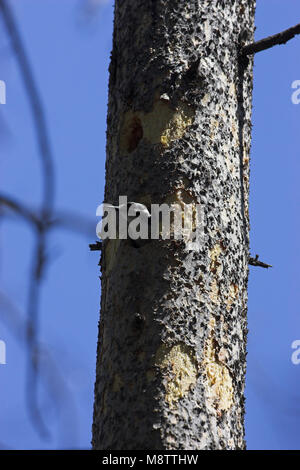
178, 221
2, 92
296, 95
296, 354
2, 352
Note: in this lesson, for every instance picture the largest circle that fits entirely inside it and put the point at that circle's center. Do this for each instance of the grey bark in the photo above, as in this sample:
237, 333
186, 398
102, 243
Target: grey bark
172, 336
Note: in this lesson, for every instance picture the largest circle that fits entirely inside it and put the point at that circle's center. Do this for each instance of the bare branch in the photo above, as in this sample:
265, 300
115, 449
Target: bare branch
32, 332
36, 106
270, 41
70, 221
19, 208
38, 263
97, 246
66, 220
42, 220
62, 219
255, 262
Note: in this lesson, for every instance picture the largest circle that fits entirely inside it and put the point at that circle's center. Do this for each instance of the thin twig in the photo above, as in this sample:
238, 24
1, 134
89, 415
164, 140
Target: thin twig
68, 220
20, 209
270, 41
36, 106
61, 219
42, 220
38, 263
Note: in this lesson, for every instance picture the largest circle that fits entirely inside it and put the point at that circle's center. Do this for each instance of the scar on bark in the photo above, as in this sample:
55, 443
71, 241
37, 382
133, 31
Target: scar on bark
218, 382
163, 125
180, 369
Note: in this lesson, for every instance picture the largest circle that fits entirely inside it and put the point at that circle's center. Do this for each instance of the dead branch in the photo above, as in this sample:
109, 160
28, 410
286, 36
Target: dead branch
271, 41
256, 262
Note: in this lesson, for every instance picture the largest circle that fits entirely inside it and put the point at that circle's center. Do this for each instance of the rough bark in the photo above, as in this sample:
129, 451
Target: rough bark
172, 339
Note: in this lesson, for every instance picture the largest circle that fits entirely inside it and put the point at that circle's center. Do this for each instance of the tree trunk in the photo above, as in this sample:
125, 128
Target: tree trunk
172, 340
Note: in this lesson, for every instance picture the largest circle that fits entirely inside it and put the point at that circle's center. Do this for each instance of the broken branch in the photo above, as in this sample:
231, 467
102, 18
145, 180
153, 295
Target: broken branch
270, 41
96, 246
255, 262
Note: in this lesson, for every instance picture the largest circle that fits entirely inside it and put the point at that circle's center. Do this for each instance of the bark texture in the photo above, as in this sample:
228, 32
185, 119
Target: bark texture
172, 339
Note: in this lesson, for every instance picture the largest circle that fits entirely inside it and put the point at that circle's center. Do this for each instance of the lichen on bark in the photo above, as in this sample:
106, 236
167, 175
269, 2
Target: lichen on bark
179, 123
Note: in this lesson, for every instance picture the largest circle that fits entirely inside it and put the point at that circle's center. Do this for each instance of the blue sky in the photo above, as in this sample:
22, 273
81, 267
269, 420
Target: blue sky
69, 54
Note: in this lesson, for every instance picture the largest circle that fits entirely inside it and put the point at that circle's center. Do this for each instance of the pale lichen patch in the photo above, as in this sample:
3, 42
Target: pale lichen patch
214, 126
235, 133
218, 383
207, 30
232, 296
189, 215
179, 366
214, 292
176, 124
206, 99
214, 255
222, 355
232, 90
